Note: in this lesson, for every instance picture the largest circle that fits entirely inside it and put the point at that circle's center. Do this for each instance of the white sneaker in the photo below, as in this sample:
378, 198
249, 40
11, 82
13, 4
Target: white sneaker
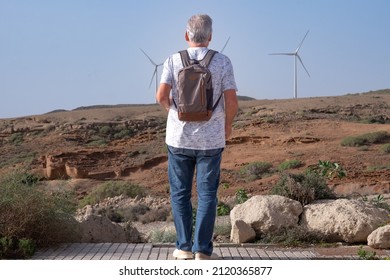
200, 256
182, 255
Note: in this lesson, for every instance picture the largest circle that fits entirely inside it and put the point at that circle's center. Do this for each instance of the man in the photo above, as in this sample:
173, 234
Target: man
197, 145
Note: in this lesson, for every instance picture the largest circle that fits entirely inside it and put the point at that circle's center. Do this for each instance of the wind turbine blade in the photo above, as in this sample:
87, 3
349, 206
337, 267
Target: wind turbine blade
225, 45
148, 57
300, 60
296, 51
282, 54
154, 74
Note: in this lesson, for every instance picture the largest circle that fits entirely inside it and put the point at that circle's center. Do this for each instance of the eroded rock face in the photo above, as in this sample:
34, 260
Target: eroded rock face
380, 238
266, 214
342, 220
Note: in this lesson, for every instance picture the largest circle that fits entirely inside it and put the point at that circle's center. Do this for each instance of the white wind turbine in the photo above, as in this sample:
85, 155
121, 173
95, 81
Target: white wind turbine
225, 45
155, 69
296, 57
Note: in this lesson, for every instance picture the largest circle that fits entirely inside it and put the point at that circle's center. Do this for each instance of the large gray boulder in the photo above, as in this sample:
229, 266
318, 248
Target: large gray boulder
342, 220
380, 238
99, 229
265, 214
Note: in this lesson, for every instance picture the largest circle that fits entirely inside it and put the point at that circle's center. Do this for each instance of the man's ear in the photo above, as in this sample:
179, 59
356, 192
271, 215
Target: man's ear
210, 37
186, 36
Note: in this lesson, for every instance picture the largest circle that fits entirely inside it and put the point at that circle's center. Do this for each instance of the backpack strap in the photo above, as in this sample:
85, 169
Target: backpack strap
185, 58
207, 58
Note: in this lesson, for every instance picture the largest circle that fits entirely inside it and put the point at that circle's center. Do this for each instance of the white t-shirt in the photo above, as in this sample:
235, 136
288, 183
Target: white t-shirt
198, 135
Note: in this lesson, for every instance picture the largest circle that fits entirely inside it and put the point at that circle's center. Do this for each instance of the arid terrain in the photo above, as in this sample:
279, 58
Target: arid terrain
78, 149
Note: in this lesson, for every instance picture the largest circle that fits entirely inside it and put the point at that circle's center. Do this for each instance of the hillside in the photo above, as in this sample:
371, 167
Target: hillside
78, 149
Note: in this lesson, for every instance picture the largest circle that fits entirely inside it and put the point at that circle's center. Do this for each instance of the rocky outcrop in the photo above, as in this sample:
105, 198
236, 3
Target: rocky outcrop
265, 214
99, 229
342, 220
380, 238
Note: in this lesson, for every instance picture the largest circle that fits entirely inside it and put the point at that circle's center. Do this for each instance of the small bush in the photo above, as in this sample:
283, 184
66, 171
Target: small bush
12, 248
16, 138
112, 189
255, 170
289, 164
162, 236
158, 214
386, 148
366, 139
241, 196
292, 237
328, 169
366, 255
304, 188
28, 213
223, 209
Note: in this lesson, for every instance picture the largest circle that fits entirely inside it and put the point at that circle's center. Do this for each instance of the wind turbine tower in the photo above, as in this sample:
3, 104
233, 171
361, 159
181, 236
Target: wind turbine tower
296, 57
155, 69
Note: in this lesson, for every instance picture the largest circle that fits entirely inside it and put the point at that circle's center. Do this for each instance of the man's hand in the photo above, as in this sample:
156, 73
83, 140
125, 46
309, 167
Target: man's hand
162, 96
231, 108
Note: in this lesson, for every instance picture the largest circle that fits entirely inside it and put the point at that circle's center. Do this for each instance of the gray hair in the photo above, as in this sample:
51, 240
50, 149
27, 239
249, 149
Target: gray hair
199, 28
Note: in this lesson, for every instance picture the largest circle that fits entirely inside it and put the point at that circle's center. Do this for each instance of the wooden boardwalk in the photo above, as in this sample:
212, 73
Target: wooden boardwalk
148, 251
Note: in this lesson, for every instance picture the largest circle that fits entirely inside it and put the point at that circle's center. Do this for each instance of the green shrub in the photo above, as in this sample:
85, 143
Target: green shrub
328, 169
255, 170
386, 148
16, 138
28, 213
292, 237
289, 164
366, 255
366, 139
112, 189
162, 236
223, 209
303, 187
241, 196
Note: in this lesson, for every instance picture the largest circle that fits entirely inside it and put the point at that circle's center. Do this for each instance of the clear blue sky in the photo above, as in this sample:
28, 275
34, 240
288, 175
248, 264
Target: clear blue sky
67, 54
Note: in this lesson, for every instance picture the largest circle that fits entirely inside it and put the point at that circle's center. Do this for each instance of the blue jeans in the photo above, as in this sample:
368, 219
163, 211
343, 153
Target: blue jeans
182, 164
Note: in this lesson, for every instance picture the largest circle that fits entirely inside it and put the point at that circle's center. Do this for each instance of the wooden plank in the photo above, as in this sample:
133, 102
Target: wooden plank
145, 251
111, 251
217, 250
243, 253
119, 251
263, 254
235, 255
226, 253
137, 251
170, 253
290, 255
101, 251
77, 248
280, 255
68, 252
94, 250
128, 252
84, 251
252, 253
154, 253
271, 254
309, 254
51, 254
163, 254
300, 256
